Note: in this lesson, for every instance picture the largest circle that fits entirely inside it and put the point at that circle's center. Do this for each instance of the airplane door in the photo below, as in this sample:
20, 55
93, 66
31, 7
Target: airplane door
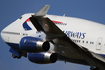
99, 43
24, 33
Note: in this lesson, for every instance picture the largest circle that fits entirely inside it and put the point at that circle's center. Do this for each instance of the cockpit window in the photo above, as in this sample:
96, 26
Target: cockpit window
20, 17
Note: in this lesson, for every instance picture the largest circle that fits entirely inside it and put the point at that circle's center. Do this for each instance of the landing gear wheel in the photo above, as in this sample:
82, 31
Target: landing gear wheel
19, 57
14, 56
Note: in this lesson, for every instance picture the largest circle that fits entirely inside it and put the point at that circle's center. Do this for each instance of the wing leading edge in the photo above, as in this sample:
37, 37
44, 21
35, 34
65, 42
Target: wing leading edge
43, 23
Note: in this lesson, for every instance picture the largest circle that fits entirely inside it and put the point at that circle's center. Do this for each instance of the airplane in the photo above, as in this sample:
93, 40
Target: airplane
44, 39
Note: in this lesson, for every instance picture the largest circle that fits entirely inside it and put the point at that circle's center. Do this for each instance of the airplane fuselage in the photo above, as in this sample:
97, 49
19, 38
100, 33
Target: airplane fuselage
83, 32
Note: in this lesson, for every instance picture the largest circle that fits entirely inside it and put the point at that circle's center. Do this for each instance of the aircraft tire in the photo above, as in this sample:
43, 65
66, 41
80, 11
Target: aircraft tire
19, 57
14, 56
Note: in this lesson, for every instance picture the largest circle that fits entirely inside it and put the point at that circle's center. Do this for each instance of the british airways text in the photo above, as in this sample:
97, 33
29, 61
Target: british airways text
72, 34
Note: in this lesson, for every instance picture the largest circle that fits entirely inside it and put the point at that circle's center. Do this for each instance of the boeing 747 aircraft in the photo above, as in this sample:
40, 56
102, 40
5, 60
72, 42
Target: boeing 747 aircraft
47, 38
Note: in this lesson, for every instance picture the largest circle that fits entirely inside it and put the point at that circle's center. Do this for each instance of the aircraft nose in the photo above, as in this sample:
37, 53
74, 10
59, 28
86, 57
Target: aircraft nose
1, 34
4, 36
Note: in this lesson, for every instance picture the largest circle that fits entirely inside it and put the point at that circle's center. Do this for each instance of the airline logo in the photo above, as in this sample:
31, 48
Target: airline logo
78, 35
26, 26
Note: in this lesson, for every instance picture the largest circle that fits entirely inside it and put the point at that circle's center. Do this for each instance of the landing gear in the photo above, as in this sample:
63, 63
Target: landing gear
14, 56
19, 57
95, 68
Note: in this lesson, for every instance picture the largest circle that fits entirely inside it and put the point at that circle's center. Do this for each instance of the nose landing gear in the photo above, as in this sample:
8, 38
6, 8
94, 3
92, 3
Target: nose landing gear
14, 56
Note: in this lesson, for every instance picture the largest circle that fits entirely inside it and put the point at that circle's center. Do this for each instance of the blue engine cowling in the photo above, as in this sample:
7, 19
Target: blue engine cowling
32, 44
42, 58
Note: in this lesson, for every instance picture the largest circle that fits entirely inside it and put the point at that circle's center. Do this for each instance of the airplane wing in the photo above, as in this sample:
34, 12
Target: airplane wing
43, 23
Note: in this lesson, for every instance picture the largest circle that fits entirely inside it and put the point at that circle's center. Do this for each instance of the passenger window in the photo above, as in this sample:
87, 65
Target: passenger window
86, 41
91, 42
99, 43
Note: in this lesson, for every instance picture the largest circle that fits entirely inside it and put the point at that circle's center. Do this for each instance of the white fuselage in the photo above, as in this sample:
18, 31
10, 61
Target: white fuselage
85, 33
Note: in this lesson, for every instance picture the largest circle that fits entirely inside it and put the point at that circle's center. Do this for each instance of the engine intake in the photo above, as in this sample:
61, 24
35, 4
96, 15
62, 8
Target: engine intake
42, 58
32, 44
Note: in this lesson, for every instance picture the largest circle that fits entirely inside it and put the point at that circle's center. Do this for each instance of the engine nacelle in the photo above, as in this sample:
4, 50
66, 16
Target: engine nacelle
42, 58
32, 44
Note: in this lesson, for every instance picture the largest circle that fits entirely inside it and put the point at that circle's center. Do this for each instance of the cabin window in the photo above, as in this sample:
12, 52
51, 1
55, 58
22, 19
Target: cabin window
78, 41
86, 41
99, 43
91, 42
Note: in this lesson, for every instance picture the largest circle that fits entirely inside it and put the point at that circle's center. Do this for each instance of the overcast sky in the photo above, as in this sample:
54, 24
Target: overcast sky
10, 10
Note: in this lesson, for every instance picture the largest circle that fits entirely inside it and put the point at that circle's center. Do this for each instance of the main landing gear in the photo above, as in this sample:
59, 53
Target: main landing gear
14, 56
95, 68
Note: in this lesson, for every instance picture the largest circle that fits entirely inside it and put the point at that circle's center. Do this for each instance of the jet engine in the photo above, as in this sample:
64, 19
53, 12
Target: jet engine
42, 58
32, 44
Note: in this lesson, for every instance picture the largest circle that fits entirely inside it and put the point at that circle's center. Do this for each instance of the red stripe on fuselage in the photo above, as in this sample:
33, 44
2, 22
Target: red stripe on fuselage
56, 21
27, 20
